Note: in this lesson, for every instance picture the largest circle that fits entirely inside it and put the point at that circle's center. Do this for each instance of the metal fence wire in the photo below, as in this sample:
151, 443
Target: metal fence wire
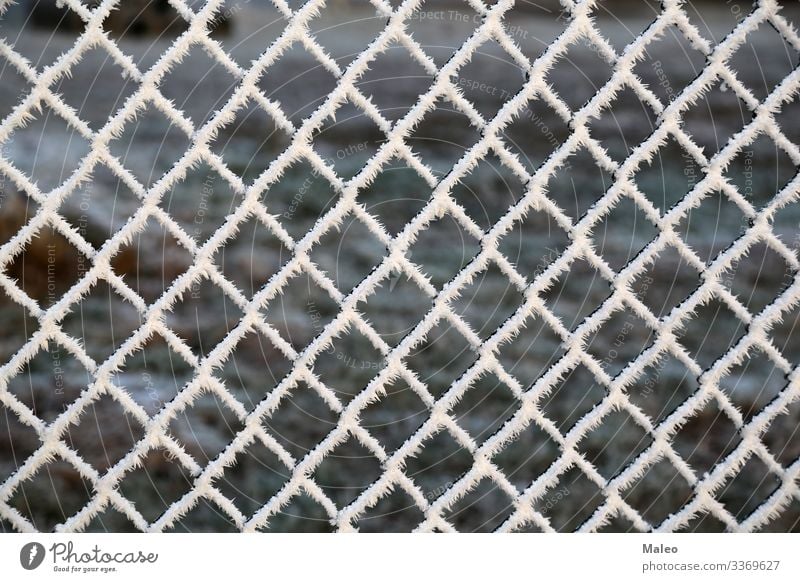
528, 503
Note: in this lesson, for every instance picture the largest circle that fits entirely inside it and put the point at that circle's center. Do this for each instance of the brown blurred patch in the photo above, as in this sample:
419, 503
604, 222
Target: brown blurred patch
129, 18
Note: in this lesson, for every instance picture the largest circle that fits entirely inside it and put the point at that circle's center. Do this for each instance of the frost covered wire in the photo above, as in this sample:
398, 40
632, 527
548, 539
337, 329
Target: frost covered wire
580, 28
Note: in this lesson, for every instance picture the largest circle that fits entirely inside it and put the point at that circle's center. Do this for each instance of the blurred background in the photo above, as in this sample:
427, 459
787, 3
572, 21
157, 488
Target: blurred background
48, 150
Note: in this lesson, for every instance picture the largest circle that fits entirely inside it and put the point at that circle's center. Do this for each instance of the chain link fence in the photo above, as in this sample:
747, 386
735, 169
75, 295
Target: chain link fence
414, 266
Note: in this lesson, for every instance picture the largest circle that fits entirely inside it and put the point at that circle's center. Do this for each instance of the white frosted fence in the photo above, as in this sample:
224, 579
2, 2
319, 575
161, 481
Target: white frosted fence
529, 504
